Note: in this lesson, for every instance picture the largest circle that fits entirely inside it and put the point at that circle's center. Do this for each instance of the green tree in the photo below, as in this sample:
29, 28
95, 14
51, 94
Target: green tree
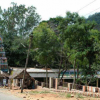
16, 23
80, 40
45, 41
95, 17
61, 58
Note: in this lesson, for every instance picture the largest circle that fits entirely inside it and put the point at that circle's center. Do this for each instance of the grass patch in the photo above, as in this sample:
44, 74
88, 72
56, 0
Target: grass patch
68, 95
79, 96
39, 92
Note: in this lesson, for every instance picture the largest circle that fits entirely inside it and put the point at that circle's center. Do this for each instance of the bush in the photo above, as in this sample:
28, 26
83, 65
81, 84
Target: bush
68, 95
79, 96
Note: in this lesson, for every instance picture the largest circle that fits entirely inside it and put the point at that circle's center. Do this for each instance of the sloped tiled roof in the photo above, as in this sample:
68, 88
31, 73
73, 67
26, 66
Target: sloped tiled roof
15, 73
18, 73
3, 75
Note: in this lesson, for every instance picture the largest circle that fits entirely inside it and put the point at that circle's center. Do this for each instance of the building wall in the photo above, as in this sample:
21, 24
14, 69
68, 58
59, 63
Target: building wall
43, 75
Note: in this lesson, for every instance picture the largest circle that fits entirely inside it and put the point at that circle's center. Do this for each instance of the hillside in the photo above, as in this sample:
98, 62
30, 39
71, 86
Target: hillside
95, 17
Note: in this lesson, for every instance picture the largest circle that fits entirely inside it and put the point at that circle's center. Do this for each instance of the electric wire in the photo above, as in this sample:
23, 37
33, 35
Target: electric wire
92, 11
86, 5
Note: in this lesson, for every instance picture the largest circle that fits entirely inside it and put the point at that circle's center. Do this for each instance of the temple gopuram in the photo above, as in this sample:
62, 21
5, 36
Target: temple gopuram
3, 59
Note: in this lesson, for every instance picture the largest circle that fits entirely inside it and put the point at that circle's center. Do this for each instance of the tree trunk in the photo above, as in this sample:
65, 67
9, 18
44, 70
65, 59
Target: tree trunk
63, 74
26, 63
46, 77
77, 72
74, 74
59, 72
64, 71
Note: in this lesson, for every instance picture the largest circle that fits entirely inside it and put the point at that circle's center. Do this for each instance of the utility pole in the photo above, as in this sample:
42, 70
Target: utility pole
31, 37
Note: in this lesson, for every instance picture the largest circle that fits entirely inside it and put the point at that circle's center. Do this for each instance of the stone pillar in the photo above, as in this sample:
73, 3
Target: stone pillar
56, 83
20, 82
10, 84
97, 82
14, 82
94, 89
99, 90
36, 83
69, 86
91, 89
50, 82
42, 84
88, 88
84, 88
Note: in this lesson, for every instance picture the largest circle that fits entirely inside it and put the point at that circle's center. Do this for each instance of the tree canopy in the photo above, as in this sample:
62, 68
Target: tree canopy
16, 23
62, 42
95, 17
74, 42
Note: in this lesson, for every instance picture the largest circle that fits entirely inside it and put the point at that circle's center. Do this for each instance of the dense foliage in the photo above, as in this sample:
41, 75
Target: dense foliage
95, 17
16, 23
61, 42
66, 42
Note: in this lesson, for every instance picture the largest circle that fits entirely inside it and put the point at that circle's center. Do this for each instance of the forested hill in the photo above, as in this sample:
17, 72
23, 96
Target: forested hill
95, 17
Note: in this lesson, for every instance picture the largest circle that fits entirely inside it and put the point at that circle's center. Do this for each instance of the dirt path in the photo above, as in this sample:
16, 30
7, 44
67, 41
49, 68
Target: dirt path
5, 96
39, 94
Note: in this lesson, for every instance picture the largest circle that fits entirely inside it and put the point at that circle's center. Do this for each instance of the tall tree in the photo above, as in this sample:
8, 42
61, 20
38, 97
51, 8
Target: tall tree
45, 41
95, 17
80, 39
16, 23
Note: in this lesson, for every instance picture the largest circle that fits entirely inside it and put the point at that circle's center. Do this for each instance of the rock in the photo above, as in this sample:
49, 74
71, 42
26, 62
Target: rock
72, 95
24, 97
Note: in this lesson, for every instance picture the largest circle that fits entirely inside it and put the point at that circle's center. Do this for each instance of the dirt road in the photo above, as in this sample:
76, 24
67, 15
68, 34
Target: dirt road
39, 94
4, 96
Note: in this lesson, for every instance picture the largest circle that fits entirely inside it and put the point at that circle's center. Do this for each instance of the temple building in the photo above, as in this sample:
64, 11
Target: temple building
3, 59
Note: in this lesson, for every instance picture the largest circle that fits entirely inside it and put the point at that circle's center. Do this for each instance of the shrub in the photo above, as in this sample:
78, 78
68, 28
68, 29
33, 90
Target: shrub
79, 96
68, 95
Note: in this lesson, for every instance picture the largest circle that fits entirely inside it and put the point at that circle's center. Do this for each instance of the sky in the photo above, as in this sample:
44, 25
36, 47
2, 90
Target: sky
53, 8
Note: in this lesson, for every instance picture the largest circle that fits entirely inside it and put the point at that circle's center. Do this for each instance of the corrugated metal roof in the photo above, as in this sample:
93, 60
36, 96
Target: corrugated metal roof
36, 69
41, 70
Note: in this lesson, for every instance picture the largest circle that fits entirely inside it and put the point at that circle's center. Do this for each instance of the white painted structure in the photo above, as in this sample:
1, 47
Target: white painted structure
38, 73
